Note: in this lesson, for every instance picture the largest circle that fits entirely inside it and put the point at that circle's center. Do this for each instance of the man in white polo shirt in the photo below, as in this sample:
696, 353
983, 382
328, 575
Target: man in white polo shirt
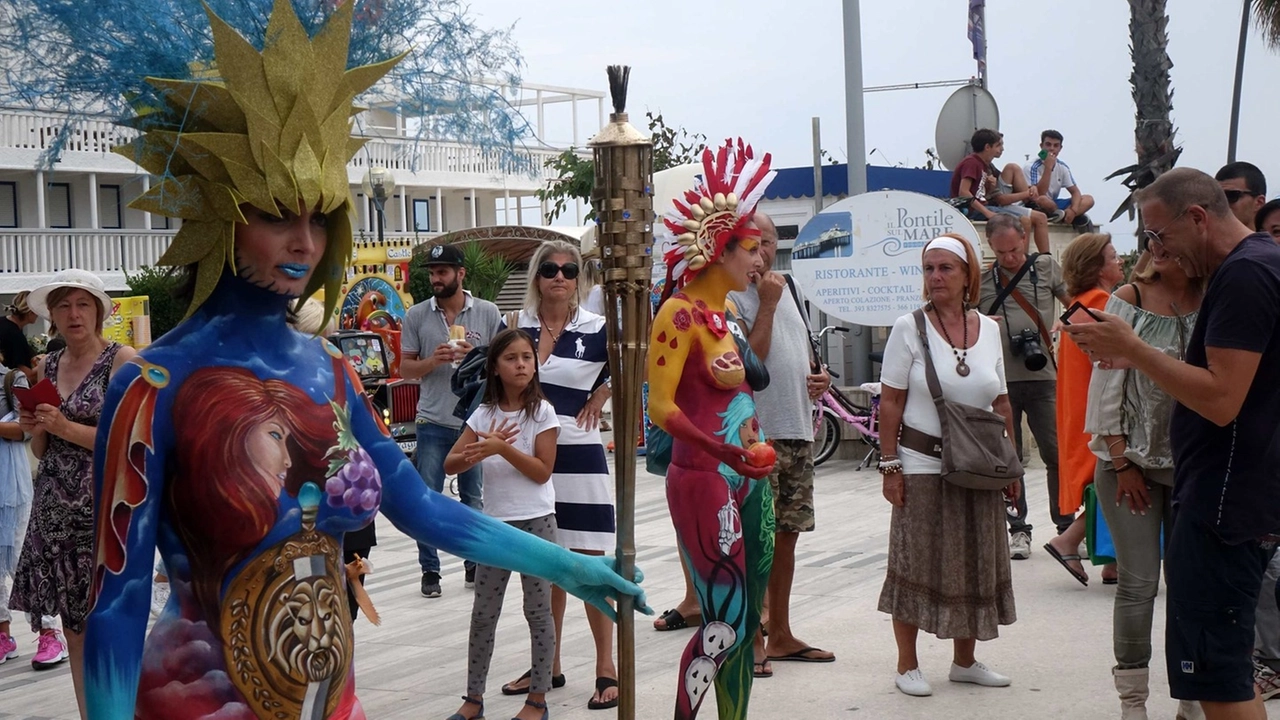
1051, 176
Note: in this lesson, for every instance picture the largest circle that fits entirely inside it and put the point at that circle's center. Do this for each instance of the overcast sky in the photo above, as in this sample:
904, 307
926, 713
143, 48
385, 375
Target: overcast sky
763, 69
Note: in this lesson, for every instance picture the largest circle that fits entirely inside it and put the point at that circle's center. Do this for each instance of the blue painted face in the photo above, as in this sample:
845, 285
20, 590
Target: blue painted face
280, 253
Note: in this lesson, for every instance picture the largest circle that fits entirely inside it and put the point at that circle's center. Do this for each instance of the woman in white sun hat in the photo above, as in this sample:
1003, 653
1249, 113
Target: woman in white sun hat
56, 566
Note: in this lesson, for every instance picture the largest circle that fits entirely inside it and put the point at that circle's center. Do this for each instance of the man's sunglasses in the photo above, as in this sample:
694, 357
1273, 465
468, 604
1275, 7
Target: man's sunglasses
1233, 196
549, 270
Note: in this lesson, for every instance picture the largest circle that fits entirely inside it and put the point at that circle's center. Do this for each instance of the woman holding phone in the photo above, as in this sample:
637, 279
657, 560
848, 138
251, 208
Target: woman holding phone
56, 567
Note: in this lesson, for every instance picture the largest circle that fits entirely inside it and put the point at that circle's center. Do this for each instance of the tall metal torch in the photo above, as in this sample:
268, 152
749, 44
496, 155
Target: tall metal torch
623, 200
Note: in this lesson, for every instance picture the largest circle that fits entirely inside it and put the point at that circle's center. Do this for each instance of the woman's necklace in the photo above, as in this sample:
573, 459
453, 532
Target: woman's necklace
555, 336
962, 368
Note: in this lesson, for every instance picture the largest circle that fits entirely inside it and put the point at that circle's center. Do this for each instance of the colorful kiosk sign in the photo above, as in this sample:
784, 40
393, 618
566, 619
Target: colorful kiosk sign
859, 260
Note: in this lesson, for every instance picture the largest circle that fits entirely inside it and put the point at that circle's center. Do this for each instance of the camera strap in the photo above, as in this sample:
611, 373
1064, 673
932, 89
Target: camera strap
1011, 290
1004, 290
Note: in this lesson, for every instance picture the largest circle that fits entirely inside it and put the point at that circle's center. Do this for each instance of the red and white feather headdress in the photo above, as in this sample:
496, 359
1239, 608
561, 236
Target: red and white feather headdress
717, 209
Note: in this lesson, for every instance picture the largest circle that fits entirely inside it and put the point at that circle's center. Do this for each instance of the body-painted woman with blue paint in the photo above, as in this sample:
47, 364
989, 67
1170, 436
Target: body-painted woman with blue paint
245, 450
700, 387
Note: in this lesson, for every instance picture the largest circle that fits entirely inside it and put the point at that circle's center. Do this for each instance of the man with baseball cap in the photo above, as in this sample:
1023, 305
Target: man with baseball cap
426, 353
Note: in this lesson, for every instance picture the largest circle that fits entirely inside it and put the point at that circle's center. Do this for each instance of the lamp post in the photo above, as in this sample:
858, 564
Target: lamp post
378, 185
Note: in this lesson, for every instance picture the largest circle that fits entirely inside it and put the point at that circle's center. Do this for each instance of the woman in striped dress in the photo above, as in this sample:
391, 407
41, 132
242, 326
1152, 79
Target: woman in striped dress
573, 367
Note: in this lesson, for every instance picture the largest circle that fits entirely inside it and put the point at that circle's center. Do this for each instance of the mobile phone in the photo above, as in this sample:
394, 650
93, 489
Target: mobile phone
1078, 314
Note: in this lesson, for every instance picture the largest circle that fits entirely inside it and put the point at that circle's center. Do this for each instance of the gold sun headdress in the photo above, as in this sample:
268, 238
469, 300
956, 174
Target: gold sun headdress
717, 210
274, 131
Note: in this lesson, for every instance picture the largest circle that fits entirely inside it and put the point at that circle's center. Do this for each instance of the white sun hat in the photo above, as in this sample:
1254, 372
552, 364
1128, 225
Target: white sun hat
38, 300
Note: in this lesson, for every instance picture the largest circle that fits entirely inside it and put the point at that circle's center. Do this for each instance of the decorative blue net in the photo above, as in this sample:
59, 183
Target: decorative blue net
89, 58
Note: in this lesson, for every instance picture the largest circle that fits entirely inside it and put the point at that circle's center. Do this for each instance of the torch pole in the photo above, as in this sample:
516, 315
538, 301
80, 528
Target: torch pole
623, 200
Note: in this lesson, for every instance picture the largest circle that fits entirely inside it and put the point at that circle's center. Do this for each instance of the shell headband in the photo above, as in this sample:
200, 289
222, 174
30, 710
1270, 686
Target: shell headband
717, 209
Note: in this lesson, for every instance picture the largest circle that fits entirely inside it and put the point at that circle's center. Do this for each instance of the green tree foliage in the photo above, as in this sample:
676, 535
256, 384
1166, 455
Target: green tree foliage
486, 273
575, 175
160, 285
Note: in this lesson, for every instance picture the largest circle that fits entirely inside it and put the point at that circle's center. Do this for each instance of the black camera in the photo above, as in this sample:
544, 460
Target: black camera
1027, 344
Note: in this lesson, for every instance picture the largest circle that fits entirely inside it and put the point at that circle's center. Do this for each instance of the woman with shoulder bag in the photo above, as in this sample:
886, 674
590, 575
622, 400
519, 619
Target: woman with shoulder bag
941, 532
1128, 420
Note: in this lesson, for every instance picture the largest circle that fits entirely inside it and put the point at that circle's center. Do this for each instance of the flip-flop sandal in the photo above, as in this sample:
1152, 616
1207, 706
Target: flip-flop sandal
761, 671
602, 684
673, 620
802, 655
557, 681
1064, 559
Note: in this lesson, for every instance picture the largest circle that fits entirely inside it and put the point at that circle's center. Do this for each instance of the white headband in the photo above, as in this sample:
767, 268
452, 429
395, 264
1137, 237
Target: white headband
949, 243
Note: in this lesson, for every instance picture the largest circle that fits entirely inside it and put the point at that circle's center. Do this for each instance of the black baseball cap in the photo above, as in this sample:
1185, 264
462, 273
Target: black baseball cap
444, 255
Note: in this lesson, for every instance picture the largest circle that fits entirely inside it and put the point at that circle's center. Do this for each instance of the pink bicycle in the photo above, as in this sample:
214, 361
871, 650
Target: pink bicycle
834, 409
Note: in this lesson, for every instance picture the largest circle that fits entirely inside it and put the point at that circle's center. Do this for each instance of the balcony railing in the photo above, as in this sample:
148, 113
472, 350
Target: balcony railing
100, 251
31, 130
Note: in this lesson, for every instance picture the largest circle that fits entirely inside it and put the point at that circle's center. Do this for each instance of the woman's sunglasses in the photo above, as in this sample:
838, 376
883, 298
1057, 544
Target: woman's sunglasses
549, 270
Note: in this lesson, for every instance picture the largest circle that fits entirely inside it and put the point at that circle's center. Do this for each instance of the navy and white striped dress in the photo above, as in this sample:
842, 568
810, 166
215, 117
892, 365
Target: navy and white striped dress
577, 366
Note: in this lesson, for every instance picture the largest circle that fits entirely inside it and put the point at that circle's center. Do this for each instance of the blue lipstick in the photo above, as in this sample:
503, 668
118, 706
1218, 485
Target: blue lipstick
294, 270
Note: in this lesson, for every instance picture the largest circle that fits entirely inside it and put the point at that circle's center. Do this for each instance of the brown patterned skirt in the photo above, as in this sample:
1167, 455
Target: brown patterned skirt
949, 561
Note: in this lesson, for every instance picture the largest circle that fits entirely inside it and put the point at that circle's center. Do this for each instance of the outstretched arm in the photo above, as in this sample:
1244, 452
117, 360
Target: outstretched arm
128, 485
431, 518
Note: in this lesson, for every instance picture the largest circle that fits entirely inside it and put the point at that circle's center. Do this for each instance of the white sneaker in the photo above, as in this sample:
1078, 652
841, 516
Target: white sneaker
1020, 546
977, 674
912, 683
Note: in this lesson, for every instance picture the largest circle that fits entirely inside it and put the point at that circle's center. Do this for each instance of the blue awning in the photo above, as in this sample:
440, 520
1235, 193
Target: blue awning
797, 182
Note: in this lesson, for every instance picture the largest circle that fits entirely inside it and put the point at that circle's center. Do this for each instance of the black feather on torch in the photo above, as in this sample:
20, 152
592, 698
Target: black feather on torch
618, 76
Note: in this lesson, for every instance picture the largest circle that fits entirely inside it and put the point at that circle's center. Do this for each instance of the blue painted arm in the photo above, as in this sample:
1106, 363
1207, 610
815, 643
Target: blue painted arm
431, 518
128, 492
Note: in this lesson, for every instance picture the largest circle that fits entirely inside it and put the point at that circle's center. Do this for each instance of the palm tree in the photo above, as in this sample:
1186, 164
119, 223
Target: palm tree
1266, 15
1152, 99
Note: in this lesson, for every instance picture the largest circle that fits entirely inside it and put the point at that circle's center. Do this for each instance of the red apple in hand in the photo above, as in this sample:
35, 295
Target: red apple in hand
761, 455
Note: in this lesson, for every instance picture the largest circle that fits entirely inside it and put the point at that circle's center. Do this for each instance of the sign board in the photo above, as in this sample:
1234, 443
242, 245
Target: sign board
860, 259
129, 322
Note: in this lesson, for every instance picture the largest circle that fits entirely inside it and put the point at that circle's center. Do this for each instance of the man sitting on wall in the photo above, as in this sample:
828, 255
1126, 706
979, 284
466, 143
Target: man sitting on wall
975, 177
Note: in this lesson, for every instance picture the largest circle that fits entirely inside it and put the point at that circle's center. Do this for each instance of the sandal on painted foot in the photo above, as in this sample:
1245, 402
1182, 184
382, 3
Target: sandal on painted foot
557, 681
1064, 559
602, 684
470, 700
546, 714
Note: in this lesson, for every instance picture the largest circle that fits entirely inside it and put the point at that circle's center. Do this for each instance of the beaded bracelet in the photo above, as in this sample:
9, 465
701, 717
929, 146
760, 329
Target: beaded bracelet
886, 467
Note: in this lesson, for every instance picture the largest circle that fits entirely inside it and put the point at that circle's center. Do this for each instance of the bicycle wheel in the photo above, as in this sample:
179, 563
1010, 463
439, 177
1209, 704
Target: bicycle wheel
828, 438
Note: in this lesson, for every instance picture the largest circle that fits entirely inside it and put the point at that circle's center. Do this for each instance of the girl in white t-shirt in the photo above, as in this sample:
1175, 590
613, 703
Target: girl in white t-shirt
512, 436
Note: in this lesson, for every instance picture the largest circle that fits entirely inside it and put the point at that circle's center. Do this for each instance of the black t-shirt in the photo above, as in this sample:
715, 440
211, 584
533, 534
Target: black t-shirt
13, 345
1229, 477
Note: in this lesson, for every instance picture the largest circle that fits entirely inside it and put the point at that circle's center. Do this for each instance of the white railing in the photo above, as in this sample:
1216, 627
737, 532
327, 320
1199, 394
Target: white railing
101, 251
32, 130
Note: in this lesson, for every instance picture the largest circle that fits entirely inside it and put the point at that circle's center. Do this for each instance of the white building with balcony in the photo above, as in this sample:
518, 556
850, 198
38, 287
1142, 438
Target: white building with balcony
77, 214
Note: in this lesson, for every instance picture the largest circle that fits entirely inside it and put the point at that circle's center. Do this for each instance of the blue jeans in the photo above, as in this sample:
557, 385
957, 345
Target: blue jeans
434, 443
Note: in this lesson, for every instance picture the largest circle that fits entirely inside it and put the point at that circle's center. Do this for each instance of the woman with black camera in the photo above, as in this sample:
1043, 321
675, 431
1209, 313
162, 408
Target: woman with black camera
1090, 269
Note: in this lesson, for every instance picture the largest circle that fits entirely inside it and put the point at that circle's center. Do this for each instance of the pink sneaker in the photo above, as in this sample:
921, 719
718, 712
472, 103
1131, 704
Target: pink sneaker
50, 651
8, 648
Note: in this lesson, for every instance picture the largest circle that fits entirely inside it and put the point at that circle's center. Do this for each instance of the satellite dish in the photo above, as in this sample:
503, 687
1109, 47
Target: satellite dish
969, 109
